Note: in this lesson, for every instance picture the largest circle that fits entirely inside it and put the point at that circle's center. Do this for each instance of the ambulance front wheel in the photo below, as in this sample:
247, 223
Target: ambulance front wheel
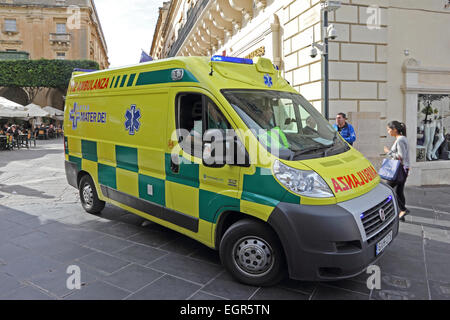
89, 197
252, 253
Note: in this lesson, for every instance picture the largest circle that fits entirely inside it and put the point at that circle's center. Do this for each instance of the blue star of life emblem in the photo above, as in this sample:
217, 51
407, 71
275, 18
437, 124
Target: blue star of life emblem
268, 81
74, 117
132, 123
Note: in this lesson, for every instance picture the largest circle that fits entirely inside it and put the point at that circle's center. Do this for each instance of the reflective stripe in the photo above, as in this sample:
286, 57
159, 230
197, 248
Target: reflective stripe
162, 76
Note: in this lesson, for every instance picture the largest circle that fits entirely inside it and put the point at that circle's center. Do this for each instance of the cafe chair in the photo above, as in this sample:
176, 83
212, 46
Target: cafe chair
41, 134
31, 137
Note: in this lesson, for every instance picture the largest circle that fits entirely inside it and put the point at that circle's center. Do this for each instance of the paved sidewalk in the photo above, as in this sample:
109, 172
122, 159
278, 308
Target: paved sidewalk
43, 230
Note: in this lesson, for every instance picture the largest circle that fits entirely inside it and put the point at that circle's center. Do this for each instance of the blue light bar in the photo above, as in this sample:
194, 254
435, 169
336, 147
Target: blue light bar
83, 70
231, 59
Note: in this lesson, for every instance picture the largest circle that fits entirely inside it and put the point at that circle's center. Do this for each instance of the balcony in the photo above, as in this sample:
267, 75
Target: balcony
10, 31
60, 38
209, 24
192, 16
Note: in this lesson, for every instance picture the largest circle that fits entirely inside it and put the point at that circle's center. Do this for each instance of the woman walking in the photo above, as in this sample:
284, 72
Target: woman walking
399, 151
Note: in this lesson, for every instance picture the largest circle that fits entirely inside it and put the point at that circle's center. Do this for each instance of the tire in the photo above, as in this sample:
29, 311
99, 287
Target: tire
252, 253
89, 197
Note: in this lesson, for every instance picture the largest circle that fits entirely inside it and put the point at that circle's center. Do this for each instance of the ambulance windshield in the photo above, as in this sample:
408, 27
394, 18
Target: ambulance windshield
286, 124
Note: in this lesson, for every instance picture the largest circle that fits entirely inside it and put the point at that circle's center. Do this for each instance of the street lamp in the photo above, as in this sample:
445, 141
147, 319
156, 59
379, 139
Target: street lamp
328, 32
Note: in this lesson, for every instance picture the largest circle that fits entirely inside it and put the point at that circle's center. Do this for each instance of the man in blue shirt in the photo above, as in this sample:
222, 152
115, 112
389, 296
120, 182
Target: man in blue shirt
345, 129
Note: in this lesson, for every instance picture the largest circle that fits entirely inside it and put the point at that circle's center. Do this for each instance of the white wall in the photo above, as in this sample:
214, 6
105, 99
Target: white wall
425, 34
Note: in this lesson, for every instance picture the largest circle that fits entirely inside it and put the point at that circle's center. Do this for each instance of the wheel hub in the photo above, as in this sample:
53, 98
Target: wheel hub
253, 256
88, 195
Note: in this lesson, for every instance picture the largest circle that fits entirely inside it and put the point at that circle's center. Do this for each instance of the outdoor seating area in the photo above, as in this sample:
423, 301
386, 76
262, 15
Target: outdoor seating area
22, 139
21, 126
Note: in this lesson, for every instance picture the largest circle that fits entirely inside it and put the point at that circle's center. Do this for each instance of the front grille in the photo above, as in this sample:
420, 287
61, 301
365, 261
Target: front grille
380, 235
371, 219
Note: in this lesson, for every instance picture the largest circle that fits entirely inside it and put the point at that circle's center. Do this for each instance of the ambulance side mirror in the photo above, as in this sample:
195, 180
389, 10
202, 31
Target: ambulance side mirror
222, 147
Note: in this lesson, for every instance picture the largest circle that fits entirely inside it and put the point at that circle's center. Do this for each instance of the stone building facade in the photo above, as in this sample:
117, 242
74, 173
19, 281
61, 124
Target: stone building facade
389, 62
50, 29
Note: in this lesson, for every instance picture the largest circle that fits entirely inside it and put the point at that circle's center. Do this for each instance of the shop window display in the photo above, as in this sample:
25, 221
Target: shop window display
433, 131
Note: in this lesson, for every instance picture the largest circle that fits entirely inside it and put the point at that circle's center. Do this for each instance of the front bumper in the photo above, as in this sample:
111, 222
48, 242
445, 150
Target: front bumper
330, 242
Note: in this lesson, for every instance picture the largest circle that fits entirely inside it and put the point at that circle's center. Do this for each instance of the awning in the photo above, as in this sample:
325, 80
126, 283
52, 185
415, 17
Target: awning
54, 113
10, 109
6, 113
35, 111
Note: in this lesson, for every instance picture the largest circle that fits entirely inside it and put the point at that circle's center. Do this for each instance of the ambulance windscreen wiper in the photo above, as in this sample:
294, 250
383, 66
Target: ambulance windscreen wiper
307, 150
337, 143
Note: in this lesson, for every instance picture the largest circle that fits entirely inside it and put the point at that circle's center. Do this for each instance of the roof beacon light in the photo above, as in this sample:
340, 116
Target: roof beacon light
83, 70
231, 59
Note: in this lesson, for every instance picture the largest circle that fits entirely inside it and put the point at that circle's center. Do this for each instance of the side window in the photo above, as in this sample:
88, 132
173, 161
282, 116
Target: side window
196, 113
189, 115
215, 118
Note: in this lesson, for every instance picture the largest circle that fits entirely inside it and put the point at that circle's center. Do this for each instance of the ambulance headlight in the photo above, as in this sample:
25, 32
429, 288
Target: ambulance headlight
304, 183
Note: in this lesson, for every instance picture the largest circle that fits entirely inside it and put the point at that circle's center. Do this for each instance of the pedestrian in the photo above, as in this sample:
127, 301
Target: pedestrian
5, 128
51, 132
399, 151
345, 129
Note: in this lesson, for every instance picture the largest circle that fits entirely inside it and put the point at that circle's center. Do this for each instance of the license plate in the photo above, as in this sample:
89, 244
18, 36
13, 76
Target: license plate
384, 243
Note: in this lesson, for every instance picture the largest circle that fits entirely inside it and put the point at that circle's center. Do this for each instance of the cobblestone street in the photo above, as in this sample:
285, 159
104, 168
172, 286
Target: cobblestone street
43, 230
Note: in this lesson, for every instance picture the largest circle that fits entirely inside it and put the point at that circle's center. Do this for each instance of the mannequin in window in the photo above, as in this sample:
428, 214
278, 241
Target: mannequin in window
430, 130
440, 128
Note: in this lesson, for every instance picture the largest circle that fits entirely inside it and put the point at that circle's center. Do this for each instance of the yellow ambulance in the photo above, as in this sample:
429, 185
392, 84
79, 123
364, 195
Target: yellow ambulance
226, 152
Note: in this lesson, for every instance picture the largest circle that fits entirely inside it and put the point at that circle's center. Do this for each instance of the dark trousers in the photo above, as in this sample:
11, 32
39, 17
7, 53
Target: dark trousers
399, 188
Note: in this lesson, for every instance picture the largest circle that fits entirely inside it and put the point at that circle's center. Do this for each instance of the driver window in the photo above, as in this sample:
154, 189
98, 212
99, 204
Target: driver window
197, 113
216, 120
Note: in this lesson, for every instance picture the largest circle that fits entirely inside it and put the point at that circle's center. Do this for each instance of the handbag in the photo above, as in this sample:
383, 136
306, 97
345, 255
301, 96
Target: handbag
392, 170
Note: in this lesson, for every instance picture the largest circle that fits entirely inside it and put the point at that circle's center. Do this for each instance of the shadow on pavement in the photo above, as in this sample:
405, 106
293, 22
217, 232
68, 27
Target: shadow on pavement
23, 191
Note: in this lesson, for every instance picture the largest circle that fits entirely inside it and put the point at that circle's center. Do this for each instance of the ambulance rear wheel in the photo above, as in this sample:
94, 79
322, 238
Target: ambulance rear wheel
252, 253
89, 197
